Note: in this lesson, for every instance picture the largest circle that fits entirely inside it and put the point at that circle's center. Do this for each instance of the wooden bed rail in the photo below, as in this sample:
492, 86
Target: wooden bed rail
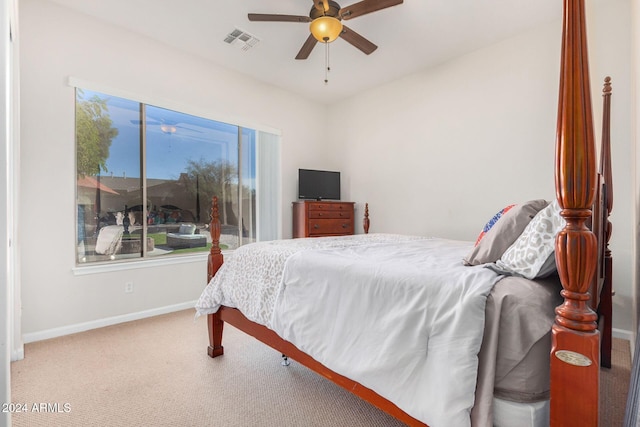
575, 352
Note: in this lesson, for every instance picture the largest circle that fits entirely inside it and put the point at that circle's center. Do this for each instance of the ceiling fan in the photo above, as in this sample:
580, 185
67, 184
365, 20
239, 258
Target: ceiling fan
325, 20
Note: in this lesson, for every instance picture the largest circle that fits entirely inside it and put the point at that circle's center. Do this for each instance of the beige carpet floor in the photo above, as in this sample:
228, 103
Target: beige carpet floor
155, 372
614, 385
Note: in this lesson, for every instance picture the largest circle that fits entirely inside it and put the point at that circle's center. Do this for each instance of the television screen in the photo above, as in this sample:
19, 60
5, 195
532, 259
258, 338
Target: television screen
318, 185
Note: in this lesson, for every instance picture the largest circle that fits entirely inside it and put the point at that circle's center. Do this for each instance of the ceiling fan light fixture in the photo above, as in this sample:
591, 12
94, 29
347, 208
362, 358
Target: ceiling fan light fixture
169, 129
326, 28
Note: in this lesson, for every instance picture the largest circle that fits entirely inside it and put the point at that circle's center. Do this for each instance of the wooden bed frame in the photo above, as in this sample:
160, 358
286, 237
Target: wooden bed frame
582, 254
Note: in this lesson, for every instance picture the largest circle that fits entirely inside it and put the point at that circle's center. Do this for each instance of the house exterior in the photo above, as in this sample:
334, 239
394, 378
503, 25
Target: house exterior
434, 153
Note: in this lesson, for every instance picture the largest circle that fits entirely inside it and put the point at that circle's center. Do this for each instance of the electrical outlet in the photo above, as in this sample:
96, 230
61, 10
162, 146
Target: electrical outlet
128, 287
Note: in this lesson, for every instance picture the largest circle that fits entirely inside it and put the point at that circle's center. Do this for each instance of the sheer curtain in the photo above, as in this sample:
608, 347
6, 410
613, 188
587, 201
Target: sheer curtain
268, 197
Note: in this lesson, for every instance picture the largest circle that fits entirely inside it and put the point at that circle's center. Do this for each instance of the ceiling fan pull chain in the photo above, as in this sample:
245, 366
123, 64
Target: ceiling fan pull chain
326, 62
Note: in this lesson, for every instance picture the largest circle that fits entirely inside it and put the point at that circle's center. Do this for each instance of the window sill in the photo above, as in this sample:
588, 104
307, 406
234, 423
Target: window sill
85, 269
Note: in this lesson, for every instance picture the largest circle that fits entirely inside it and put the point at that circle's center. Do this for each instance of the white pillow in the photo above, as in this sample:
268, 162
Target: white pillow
528, 256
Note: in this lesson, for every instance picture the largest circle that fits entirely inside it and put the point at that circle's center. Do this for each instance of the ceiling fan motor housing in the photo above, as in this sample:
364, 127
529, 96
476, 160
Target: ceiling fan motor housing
334, 11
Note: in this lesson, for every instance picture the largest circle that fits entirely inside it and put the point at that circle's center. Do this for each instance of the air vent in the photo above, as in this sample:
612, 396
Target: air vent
241, 39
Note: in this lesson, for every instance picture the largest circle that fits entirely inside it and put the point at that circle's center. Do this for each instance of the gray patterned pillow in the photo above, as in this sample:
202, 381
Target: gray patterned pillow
529, 254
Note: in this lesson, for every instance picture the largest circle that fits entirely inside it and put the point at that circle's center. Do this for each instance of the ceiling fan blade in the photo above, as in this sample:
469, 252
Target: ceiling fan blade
357, 40
366, 6
189, 129
269, 17
307, 47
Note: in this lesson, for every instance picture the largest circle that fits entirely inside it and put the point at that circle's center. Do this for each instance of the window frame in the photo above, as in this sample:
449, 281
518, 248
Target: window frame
145, 261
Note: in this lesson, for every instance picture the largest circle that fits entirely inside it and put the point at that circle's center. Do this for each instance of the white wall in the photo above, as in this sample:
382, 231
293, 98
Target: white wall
440, 152
610, 54
56, 44
7, 10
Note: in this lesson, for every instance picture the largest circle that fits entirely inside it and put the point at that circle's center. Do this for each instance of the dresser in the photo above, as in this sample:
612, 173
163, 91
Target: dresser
325, 218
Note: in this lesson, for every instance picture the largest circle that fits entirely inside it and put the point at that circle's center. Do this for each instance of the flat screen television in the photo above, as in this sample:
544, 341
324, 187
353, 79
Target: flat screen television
318, 184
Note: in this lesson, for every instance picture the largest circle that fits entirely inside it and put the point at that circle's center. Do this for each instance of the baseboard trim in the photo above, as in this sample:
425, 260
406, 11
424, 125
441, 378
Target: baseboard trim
622, 334
625, 335
17, 354
100, 323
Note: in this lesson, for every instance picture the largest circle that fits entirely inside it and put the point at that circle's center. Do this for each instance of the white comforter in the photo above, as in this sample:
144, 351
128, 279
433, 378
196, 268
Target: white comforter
401, 315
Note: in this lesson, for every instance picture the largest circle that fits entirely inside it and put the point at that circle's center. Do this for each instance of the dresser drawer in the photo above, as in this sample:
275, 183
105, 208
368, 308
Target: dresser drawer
330, 226
319, 206
335, 214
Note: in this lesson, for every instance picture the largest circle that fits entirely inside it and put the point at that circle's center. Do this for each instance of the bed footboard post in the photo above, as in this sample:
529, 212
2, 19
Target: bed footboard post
605, 307
216, 258
575, 352
216, 325
365, 221
214, 321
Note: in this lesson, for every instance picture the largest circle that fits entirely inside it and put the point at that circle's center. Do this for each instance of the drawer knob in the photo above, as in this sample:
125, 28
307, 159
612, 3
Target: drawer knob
344, 225
316, 226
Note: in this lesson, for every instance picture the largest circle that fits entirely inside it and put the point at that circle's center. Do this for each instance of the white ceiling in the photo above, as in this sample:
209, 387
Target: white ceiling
412, 36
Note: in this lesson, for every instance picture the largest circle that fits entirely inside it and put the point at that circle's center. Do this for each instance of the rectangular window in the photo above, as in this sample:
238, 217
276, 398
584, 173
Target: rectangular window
146, 176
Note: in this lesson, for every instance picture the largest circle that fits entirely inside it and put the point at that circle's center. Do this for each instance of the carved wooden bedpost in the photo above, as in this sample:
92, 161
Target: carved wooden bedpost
214, 263
215, 259
365, 221
575, 357
605, 306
